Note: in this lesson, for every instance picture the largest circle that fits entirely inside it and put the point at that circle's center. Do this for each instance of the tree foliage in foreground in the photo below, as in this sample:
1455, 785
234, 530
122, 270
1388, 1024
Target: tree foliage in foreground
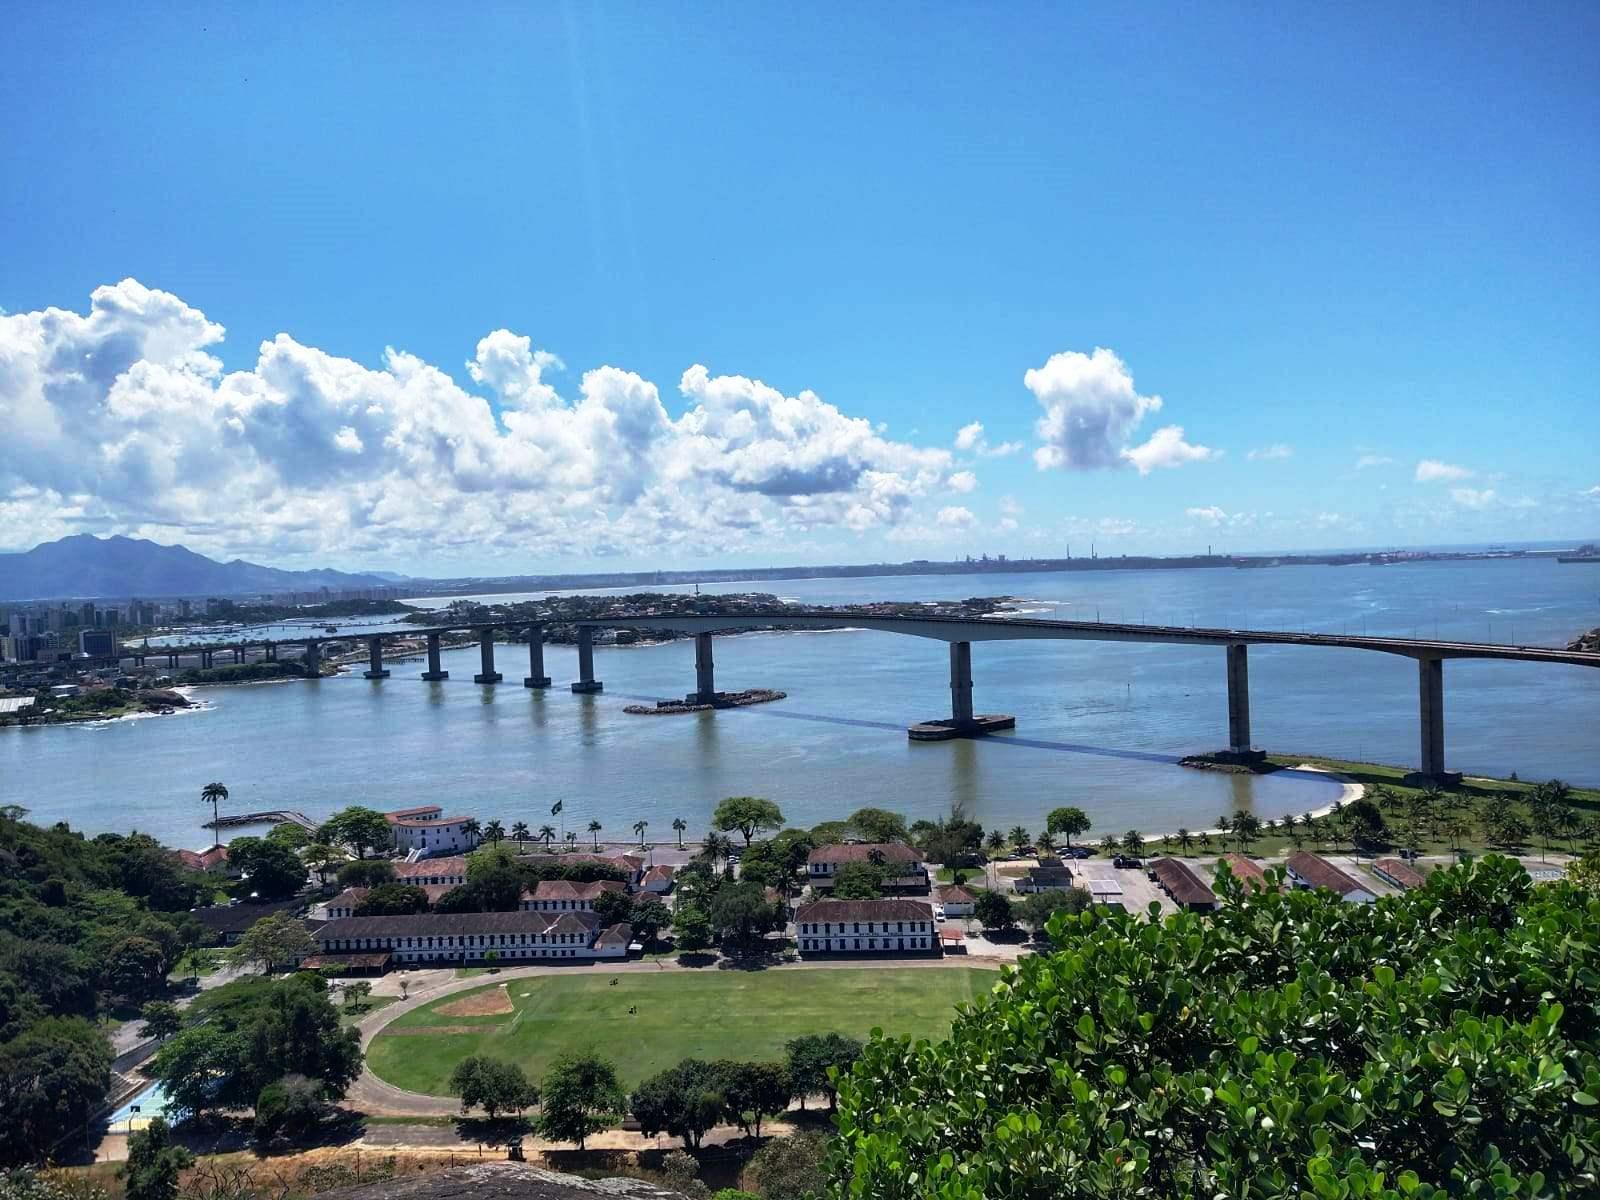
1438, 1043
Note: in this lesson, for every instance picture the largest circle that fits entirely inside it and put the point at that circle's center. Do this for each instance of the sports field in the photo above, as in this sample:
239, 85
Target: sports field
646, 1023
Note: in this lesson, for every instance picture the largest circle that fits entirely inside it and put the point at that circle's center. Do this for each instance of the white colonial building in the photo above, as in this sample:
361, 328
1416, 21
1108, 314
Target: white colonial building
906, 871
866, 927
430, 835
468, 937
563, 895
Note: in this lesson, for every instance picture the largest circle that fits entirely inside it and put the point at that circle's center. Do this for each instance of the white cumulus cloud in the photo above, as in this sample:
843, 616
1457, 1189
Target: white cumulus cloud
1274, 451
1431, 470
1373, 460
1478, 498
1091, 410
970, 439
121, 419
1211, 515
963, 481
953, 516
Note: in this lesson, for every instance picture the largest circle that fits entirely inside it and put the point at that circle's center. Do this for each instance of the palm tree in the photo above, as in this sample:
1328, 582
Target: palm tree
1110, 844
547, 834
572, 839
1185, 840
1133, 842
1045, 842
521, 833
1018, 836
639, 827
715, 846
594, 832
996, 840
1224, 825
1290, 823
494, 831
213, 794
1205, 841
470, 827
678, 826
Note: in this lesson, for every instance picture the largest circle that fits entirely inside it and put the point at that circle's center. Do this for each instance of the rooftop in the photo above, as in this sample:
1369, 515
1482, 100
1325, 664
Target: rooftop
1245, 870
1400, 872
1320, 873
457, 925
565, 889
501, 1180
853, 852
865, 910
1182, 884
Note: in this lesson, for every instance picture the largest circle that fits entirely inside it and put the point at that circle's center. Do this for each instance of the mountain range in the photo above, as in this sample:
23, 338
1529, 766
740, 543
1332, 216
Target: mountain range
87, 566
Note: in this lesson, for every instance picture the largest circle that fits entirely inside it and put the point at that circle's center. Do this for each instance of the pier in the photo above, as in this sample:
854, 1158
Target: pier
276, 816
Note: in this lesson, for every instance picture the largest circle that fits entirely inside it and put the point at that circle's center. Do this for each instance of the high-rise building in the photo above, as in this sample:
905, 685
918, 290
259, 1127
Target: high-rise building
97, 643
86, 614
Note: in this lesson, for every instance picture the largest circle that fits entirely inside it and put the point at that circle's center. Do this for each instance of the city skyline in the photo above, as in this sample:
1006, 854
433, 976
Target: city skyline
886, 291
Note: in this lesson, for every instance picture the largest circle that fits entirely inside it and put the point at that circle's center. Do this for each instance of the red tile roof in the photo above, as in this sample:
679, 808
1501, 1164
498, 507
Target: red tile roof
1182, 884
565, 889
863, 852
865, 910
1320, 873
1400, 873
955, 894
452, 865
419, 811
1245, 870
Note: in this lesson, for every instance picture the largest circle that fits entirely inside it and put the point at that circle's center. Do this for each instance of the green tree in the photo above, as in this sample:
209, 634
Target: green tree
648, 918
1200, 1027
1018, 836
367, 873
271, 871
790, 1168
879, 825
361, 829
547, 835
291, 1108
154, 1161
815, 1060
322, 858
859, 881
678, 826
53, 1074
594, 832
493, 832
994, 911
392, 900
580, 1096
214, 794
638, 828
289, 835
1069, 821
161, 1019
1133, 842
357, 995
521, 834
612, 907
492, 1084
753, 1090
748, 814
1036, 909
742, 916
684, 1101
995, 840
691, 927
135, 969
274, 941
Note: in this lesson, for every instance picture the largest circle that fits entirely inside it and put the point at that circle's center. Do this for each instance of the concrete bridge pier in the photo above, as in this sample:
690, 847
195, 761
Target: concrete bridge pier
313, 658
963, 722
238, 654
138, 660
269, 651
433, 674
586, 682
1430, 698
205, 659
375, 668
172, 662
1239, 749
536, 677
486, 655
705, 673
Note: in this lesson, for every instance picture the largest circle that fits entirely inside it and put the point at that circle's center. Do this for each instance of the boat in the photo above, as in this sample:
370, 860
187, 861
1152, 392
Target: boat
330, 629
1588, 553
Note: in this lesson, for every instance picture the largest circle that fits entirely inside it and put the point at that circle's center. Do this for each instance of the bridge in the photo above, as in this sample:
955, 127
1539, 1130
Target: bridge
959, 633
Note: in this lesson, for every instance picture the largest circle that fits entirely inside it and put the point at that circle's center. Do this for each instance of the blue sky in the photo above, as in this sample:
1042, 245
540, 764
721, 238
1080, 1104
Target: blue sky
1325, 236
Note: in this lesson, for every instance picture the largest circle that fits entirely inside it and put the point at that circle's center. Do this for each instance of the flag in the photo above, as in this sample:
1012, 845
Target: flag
556, 807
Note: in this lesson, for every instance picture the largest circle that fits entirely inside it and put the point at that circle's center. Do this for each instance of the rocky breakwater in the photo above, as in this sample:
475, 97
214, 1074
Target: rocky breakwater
1588, 643
749, 696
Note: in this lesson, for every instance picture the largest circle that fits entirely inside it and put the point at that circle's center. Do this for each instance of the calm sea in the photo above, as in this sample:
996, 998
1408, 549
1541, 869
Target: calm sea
1098, 725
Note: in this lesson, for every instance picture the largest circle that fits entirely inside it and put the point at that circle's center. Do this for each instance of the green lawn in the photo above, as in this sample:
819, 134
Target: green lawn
349, 1016
681, 1014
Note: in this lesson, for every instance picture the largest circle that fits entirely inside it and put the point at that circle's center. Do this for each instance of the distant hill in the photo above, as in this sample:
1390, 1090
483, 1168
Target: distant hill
114, 567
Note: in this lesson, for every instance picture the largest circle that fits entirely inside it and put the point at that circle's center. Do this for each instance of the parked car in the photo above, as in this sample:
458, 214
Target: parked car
938, 912
1077, 852
1411, 855
1027, 851
1127, 861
